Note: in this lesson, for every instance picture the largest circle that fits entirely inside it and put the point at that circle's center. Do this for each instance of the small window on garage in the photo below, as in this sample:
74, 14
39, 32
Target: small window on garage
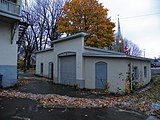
145, 71
50, 70
135, 71
41, 68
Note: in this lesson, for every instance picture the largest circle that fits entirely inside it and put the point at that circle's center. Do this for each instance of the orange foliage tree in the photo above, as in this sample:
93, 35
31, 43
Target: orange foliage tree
87, 16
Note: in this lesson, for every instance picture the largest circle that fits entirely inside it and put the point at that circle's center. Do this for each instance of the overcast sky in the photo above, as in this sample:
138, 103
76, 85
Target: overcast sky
140, 22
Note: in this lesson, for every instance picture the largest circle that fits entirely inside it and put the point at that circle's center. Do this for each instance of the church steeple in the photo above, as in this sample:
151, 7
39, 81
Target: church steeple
119, 29
119, 39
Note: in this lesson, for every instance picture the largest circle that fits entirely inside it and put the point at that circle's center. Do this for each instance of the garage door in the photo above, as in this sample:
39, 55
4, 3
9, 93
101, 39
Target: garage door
100, 75
68, 70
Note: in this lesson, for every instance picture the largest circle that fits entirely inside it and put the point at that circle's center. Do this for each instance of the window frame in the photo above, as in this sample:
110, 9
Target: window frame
136, 73
145, 71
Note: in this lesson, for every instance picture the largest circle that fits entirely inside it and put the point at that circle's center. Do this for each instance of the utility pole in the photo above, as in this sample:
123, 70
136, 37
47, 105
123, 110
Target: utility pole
144, 52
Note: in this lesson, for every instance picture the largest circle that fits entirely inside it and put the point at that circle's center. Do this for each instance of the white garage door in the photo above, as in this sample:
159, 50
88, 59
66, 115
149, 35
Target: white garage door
68, 70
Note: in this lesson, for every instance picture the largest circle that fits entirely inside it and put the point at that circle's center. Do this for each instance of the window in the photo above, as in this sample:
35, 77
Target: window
145, 71
41, 68
135, 73
50, 70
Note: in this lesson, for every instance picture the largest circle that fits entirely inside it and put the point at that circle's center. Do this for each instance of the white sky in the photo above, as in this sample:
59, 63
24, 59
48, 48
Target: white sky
143, 31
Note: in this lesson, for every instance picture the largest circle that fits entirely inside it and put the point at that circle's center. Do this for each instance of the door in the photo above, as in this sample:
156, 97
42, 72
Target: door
50, 70
68, 70
100, 75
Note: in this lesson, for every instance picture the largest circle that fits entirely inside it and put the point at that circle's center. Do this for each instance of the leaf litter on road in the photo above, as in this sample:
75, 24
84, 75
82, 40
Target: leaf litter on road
141, 101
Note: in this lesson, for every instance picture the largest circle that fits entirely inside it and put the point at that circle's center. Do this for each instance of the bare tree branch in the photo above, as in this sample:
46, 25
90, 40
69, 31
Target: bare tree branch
133, 49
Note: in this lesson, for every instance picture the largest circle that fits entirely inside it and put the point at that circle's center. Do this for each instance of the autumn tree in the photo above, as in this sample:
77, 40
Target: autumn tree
87, 16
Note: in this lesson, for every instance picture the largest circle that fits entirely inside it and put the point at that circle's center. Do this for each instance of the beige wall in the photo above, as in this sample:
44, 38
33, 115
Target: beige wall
8, 51
45, 58
117, 72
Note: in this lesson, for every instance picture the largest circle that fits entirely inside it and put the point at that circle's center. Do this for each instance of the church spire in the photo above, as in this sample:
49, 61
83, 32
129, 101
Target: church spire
119, 39
119, 29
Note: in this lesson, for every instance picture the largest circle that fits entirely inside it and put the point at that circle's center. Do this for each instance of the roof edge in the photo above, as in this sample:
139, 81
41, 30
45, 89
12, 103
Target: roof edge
45, 50
103, 50
71, 37
116, 56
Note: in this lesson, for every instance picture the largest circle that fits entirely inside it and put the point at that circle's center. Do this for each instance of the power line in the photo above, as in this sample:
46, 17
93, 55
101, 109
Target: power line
132, 17
140, 16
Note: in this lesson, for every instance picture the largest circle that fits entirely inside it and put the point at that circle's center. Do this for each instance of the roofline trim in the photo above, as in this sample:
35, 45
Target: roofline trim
81, 34
103, 50
116, 56
45, 50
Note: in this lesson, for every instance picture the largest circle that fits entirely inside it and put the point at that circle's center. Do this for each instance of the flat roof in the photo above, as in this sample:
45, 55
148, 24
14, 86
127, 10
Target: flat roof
88, 54
103, 50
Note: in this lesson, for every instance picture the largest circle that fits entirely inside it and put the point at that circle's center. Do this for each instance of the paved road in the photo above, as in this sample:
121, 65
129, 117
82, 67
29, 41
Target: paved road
23, 109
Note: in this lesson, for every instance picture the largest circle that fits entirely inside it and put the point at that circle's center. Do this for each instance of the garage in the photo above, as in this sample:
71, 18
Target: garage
68, 70
89, 67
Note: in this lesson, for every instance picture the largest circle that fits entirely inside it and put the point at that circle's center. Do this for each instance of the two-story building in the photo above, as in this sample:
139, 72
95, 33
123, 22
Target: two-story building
9, 20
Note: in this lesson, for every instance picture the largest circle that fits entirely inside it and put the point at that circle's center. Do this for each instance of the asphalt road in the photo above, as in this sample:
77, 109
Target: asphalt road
24, 109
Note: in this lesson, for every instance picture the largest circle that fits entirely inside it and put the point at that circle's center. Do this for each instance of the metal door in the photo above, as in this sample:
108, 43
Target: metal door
100, 75
68, 70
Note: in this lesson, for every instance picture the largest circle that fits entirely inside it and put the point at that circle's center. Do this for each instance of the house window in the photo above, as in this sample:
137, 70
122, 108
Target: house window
145, 71
41, 68
135, 73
